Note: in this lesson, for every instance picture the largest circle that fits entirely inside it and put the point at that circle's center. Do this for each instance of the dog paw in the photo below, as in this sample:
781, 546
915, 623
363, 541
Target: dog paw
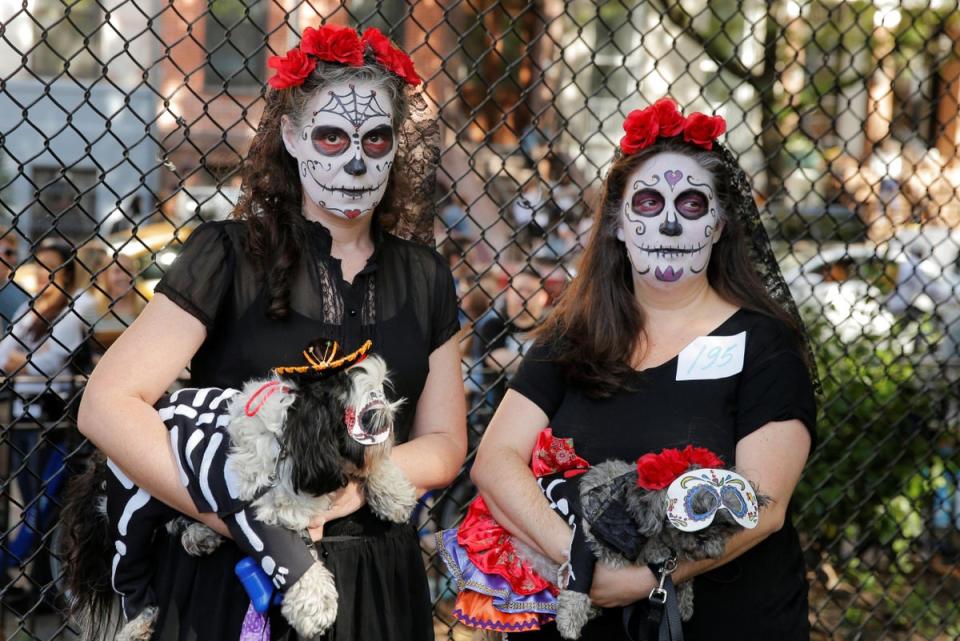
199, 540
310, 605
389, 494
175, 526
573, 611
139, 628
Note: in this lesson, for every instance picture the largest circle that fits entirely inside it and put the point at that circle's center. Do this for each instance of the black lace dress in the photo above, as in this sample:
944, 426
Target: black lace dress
404, 300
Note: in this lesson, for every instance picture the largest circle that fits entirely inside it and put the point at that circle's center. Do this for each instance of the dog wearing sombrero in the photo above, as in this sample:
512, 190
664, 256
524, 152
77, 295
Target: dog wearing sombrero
266, 459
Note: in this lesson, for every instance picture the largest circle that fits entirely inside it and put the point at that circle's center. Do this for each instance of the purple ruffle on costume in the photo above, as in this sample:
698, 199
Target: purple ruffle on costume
469, 577
256, 626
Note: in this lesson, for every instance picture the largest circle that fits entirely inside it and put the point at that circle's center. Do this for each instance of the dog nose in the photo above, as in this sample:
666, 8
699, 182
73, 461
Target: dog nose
356, 167
372, 421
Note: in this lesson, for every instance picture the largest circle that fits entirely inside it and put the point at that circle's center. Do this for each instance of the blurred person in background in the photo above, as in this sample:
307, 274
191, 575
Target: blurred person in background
12, 296
112, 303
36, 355
502, 334
41, 343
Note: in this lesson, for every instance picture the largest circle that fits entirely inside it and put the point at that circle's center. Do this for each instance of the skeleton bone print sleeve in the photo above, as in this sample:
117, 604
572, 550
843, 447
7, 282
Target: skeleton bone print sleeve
196, 419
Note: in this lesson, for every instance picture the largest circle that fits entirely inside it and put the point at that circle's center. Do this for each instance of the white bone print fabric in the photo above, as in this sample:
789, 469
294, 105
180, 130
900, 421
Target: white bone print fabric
197, 421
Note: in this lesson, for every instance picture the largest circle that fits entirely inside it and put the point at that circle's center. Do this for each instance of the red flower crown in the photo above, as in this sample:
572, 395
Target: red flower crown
663, 120
657, 471
343, 45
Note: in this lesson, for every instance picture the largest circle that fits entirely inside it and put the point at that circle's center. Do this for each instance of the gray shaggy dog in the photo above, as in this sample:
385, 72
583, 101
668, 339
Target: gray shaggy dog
266, 459
618, 523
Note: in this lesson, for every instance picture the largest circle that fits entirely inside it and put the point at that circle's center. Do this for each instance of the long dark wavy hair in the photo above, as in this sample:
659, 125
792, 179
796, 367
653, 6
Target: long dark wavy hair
271, 195
598, 324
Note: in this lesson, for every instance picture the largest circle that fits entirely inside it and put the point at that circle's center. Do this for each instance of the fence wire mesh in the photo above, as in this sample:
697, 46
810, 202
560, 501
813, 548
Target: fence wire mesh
124, 123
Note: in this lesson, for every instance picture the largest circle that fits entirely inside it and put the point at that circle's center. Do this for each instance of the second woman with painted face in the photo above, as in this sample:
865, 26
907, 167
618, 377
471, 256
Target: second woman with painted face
309, 253
678, 330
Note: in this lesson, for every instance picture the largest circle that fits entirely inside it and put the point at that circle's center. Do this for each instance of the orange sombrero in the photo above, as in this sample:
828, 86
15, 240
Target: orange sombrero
323, 358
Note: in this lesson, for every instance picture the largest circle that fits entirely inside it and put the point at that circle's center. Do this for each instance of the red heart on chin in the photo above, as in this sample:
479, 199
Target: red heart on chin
352, 213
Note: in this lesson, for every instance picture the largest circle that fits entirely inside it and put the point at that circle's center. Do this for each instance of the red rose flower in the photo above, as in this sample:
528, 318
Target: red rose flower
657, 471
642, 127
333, 43
670, 119
390, 56
701, 456
292, 69
702, 130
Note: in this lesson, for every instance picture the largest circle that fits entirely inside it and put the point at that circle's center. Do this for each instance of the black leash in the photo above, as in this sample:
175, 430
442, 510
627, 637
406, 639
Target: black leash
663, 609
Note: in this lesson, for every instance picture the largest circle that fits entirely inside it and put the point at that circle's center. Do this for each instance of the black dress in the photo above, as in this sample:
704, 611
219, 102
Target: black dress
404, 300
761, 595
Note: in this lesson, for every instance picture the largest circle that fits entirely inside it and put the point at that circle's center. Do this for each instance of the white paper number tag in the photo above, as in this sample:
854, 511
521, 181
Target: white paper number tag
710, 357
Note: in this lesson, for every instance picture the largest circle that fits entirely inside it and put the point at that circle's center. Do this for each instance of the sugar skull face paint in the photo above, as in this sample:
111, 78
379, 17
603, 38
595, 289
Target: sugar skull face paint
669, 219
345, 149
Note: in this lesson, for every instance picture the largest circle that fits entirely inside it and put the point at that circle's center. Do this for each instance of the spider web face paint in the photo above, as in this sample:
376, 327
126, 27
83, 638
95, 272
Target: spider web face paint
669, 218
345, 150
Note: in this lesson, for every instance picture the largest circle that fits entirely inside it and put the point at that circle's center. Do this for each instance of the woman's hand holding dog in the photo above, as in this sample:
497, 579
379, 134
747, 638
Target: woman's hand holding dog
347, 501
618, 587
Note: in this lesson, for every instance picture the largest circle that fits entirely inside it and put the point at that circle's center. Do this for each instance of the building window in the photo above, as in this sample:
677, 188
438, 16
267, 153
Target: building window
61, 28
65, 203
235, 37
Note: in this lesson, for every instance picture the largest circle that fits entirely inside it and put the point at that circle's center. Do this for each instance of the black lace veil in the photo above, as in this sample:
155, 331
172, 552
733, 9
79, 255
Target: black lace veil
761, 253
412, 199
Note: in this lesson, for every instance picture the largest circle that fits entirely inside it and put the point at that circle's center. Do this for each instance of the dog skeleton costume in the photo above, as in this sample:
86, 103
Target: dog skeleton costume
266, 460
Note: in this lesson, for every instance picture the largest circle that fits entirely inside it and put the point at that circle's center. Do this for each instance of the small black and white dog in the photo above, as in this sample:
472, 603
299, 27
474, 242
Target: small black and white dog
266, 459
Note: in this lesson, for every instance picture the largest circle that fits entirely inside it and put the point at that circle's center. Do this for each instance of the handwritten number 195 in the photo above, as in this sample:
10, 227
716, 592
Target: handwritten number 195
716, 357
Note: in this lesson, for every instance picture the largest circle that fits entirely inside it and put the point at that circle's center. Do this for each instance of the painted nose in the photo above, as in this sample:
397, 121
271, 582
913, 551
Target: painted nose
356, 167
671, 227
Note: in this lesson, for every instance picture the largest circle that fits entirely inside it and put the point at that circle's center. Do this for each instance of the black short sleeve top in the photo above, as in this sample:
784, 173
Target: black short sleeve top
403, 300
666, 408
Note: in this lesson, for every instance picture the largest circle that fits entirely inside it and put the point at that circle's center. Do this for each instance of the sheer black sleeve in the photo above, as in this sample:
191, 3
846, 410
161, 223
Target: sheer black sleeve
775, 386
540, 380
200, 277
445, 320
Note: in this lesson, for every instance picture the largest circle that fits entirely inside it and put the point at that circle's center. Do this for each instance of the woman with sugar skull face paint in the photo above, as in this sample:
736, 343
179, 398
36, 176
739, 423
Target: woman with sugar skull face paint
678, 331
343, 158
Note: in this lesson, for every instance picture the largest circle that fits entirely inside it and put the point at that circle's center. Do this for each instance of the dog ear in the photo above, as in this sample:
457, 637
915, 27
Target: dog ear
311, 444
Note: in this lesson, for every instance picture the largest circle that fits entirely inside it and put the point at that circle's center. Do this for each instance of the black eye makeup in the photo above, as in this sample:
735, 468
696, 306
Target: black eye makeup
378, 142
329, 141
691, 204
647, 202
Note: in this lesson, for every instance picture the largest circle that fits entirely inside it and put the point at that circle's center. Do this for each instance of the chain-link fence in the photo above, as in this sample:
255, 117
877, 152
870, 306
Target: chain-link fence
124, 123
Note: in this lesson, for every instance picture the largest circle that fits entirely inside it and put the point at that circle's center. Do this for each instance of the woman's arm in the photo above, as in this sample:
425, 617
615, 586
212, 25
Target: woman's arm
437, 447
117, 414
772, 458
502, 473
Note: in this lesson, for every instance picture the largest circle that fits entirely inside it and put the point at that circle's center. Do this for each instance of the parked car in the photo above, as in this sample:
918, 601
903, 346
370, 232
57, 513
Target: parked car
866, 288
848, 285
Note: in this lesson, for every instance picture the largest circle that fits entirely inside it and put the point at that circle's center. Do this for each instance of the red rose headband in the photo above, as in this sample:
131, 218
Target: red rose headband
341, 45
663, 120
